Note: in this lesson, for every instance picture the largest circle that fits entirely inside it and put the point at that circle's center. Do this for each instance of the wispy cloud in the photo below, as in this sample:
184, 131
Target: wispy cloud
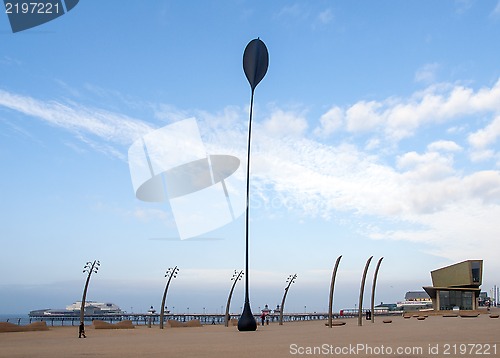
293, 11
427, 73
496, 11
426, 192
462, 6
85, 122
325, 16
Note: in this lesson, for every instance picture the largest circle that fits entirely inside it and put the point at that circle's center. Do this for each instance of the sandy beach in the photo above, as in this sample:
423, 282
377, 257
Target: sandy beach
435, 336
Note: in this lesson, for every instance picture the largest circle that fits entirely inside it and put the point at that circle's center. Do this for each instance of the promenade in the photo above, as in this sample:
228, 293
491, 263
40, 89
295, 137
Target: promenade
435, 336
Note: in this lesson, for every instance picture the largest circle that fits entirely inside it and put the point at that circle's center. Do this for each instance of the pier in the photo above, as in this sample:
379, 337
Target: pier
154, 318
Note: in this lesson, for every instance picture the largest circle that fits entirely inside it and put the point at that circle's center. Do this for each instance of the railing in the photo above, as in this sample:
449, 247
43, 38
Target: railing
205, 319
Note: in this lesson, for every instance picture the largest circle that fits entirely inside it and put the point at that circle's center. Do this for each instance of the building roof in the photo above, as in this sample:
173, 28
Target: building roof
416, 295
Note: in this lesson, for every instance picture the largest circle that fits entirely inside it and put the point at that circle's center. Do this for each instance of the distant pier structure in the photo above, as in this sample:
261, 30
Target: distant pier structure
144, 318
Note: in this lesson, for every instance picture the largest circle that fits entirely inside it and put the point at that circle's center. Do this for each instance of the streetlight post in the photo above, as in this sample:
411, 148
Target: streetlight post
255, 63
236, 277
90, 267
291, 279
171, 273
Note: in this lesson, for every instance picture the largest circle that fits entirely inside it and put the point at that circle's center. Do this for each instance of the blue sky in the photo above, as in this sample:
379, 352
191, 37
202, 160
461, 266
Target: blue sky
376, 132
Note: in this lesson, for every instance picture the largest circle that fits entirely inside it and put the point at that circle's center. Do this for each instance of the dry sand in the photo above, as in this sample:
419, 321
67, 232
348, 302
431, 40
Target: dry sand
433, 337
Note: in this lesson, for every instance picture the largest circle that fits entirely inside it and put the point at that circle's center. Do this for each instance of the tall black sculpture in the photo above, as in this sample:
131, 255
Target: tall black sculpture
373, 289
90, 268
332, 288
361, 291
255, 63
289, 281
171, 273
236, 277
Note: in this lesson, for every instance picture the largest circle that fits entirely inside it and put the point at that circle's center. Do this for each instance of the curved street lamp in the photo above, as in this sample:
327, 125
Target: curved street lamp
255, 64
171, 273
289, 280
90, 267
236, 277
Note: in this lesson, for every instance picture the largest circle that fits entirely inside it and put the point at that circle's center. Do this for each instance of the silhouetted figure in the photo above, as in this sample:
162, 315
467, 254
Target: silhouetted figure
81, 331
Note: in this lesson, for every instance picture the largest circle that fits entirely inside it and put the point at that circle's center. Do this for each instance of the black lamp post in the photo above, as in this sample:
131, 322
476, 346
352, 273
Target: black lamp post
90, 267
255, 64
236, 277
171, 273
289, 281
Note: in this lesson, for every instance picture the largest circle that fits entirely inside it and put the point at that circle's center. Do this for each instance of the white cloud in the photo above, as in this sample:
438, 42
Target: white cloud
496, 10
325, 16
426, 193
86, 123
282, 123
486, 136
444, 145
398, 118
427, 73
106, 125
330, 122
481, 155
427, 167
295, 11
363, 116
462, 6
484, 186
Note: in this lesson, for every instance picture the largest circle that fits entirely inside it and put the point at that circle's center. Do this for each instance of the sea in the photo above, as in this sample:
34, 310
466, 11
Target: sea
24, 319
16, 318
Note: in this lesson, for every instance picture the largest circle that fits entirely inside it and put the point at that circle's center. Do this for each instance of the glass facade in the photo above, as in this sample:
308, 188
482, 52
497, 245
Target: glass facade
461, 299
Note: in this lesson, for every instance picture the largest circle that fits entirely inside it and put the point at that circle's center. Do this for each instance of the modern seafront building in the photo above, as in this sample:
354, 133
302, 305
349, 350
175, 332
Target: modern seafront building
456, 286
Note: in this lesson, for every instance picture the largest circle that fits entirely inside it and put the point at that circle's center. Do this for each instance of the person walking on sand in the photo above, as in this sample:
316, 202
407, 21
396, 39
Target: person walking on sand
81, 330
263, 317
